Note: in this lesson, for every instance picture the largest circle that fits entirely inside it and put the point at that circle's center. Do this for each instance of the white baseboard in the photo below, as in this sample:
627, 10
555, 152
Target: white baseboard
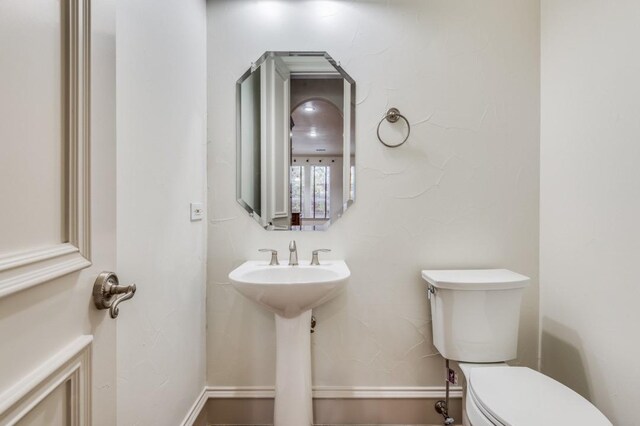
196, 408
321, 392
339, 392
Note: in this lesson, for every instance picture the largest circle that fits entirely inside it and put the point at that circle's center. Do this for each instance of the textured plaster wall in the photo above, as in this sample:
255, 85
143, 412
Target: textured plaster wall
161, 113
462, 193
590, 205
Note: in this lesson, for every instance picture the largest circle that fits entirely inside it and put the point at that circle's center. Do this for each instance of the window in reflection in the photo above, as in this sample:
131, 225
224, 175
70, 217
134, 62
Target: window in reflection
352, 184
321, 196
297, 179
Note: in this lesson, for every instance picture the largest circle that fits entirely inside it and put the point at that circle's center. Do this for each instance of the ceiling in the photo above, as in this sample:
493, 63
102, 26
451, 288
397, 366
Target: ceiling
317, 129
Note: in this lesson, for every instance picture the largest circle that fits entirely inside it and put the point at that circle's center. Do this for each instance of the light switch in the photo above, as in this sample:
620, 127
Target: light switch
197, 212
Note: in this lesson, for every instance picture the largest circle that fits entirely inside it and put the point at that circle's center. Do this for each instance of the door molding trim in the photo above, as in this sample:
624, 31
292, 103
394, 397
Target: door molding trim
71, 365
25, 269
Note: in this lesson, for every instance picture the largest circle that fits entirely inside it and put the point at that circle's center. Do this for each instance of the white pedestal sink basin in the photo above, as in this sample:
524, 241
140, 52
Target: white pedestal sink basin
290, 292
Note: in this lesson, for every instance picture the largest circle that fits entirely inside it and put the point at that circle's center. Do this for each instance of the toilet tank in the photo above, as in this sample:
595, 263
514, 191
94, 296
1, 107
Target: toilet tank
475, 313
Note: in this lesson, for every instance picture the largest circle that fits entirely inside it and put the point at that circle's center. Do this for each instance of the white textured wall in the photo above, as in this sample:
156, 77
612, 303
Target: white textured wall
161, 110
462, 193
590, 204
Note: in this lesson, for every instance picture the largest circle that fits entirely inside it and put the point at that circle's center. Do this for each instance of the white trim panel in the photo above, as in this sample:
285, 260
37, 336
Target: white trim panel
22, 270
40, 266
72, 365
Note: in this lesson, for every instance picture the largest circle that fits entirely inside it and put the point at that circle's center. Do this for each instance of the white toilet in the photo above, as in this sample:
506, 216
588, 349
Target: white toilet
475, 317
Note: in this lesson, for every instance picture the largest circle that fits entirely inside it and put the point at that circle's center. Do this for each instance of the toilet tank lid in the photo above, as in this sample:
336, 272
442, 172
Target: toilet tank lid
475, 279
520, 396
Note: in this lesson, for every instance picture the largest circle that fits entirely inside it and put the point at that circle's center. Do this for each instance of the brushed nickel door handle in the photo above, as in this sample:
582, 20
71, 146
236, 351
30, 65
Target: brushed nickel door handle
108, 293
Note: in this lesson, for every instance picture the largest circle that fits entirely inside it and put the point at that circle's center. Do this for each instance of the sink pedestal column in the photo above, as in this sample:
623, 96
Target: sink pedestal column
293, 404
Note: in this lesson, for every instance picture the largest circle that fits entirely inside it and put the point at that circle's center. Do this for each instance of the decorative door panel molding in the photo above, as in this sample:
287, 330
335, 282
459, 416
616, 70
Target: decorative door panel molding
69, 369
25, 269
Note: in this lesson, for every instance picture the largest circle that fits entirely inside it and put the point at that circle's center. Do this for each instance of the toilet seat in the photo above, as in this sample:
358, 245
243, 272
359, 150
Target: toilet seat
520, 396
475, 416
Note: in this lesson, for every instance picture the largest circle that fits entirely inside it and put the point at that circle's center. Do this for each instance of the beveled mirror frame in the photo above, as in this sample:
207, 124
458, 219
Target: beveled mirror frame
25, 269
348, 199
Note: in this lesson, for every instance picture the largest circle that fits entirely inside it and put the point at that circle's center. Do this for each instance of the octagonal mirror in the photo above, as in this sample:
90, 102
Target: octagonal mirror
295, 141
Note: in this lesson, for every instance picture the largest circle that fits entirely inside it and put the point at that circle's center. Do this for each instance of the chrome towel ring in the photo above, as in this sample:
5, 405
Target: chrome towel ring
392, 116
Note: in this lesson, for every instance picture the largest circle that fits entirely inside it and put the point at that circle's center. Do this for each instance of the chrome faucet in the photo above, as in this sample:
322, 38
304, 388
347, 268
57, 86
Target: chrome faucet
293, 254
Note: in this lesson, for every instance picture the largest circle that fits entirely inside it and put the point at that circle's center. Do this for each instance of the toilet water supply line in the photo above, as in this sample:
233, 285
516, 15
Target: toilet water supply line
442, 407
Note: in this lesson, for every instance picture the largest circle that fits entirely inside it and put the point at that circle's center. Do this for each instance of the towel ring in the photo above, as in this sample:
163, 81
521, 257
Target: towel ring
392, 116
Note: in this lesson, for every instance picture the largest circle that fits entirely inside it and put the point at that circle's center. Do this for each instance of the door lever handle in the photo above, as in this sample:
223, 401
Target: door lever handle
105, 291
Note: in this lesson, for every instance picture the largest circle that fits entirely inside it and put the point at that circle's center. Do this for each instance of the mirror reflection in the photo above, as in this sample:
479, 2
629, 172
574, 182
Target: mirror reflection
296, 148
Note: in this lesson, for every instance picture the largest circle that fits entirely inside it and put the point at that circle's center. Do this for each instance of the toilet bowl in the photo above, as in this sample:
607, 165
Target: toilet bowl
499, 395
475, 319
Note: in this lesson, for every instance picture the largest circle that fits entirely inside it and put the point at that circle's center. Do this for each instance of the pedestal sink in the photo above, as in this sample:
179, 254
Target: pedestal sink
290, 292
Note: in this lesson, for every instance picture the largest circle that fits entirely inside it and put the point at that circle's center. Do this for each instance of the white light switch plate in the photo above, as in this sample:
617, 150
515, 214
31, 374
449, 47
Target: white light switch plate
197, 211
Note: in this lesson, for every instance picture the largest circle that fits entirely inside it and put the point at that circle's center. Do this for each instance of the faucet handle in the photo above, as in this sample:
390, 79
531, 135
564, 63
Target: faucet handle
314, 255
274, 256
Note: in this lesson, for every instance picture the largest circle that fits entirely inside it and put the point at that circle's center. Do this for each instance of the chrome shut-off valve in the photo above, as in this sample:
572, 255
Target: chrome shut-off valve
108, 293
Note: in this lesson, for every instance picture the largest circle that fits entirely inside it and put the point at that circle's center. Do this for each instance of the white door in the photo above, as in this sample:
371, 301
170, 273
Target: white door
276, 152
57, 211
348, 142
